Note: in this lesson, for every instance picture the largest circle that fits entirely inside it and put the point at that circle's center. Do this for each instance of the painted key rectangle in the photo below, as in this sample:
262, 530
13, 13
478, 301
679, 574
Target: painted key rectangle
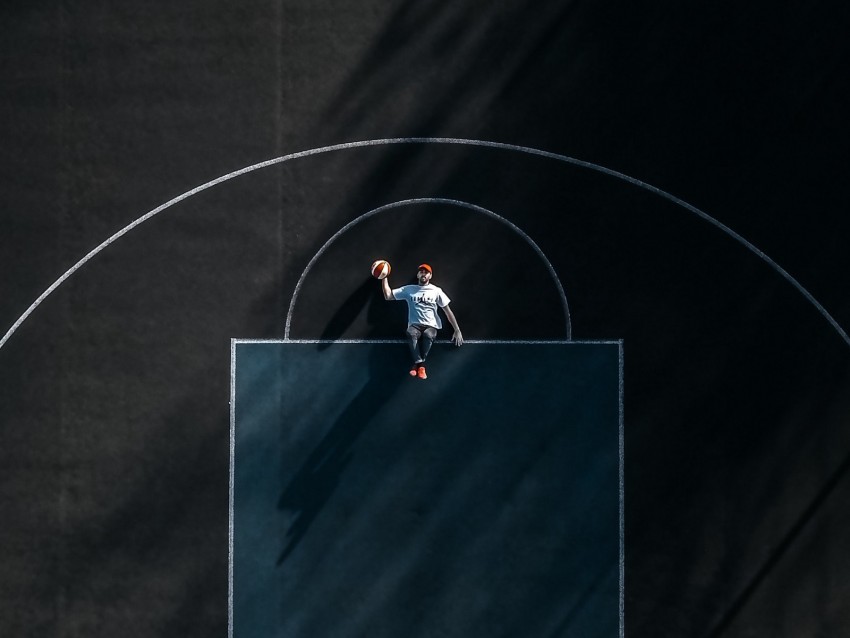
483, 501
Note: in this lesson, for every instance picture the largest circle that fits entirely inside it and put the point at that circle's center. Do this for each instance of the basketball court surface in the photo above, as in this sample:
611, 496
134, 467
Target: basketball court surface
206, 422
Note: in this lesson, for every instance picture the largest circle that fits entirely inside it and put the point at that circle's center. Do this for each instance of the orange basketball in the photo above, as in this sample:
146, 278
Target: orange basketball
380, 269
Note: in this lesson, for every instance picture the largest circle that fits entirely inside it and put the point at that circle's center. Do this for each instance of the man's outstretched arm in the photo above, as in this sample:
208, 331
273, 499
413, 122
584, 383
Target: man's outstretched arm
385, 287
457, 337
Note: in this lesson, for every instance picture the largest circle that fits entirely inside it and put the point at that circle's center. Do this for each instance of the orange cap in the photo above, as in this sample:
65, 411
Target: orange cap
425, 267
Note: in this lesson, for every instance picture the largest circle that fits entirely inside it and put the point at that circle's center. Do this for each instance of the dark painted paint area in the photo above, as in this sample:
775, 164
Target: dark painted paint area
483, 501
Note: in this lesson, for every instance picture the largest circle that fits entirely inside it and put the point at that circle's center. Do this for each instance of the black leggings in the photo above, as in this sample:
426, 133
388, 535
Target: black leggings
417, 334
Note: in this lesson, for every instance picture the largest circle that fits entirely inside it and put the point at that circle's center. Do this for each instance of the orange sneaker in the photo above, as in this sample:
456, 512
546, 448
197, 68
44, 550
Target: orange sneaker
421, 373
414, 370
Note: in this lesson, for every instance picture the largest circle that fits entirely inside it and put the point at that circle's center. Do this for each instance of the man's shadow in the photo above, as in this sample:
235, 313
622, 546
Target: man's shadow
385, 320
315, 482
350, 309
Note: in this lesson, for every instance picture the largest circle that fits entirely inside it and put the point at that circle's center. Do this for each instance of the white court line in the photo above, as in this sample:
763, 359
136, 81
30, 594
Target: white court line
433, 140
489, 342
430, 200
622, 499
231, 495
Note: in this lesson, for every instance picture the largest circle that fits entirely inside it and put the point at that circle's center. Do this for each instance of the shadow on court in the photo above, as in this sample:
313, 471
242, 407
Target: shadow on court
314, 484
349, 310
384, 320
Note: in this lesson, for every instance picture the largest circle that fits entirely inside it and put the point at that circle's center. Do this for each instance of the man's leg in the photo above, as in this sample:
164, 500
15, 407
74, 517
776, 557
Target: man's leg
413, 335
428, 336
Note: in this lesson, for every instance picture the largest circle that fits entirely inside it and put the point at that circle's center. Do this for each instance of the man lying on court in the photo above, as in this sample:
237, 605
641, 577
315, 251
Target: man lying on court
423, 320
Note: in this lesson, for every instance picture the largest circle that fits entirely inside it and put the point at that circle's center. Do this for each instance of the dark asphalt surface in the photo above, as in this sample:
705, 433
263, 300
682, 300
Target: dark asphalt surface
114, 401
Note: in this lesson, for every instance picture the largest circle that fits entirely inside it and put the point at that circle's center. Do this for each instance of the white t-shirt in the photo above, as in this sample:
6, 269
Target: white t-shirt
422, 302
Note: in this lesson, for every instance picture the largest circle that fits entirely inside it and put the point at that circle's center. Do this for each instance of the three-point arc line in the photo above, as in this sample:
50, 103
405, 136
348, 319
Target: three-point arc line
430, 140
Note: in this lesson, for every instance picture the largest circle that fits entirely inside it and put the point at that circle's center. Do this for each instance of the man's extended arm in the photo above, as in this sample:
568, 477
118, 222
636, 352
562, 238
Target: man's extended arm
385, 287
457, 337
